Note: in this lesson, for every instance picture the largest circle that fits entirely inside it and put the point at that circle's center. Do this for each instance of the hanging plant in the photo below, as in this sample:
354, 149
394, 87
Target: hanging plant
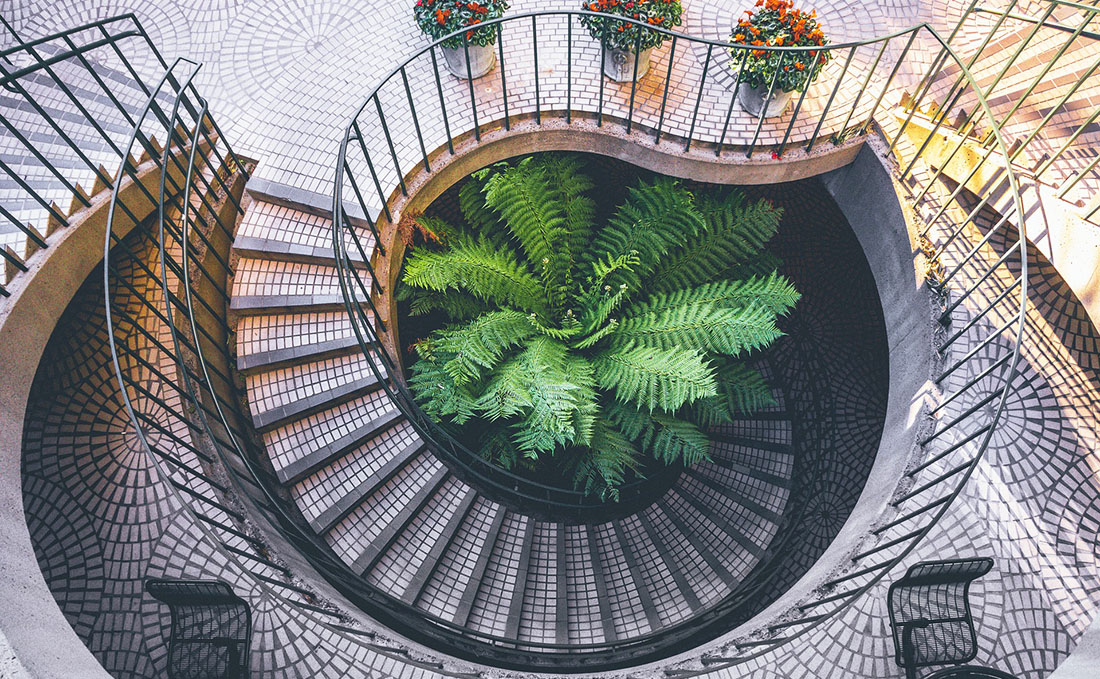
777, 24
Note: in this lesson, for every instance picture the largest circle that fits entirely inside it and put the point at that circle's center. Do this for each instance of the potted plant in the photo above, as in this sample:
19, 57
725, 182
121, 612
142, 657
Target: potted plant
438, 18
622, 37
775, 24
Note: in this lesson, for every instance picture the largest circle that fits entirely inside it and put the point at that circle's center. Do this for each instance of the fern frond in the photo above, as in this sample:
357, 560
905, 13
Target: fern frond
676, 440
564, 172
699, 325
601, 469
481, 219
655, 378
497, 446
458, 305
734, 231
438, 393
656, 218
489, 273
773, 292
533, 212
743, 388
665, 437
708, 412
476, 347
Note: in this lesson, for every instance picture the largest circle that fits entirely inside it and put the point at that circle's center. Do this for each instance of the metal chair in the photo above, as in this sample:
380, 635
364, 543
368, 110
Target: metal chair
931, 621
211, 628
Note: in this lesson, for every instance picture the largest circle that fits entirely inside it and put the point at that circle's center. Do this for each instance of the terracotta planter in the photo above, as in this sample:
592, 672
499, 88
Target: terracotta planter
619, 64
752, 100
482, 60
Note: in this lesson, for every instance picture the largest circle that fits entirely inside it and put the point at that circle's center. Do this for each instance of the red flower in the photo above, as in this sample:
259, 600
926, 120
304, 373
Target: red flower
775, 155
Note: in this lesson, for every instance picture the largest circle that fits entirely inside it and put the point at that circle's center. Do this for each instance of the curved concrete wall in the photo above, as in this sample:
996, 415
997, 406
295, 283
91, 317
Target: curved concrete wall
37, 633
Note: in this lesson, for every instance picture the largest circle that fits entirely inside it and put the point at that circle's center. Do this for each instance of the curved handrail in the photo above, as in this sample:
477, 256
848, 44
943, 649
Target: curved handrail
360, 296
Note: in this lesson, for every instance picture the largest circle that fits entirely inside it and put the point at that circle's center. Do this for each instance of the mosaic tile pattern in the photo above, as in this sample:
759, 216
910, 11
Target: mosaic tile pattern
103, 520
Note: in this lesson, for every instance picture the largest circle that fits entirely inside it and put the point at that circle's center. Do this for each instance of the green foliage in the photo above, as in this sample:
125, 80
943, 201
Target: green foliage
476, 266
656, 218
589, 348
653, 378
732, 233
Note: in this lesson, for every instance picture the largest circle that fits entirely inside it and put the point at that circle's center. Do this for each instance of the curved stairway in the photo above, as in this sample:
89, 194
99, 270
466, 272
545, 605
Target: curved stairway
365, 481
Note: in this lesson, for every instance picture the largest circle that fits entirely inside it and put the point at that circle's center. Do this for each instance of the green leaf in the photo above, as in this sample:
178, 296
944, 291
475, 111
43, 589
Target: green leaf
655, 378
733, 232
663, 436
488, 273
744, 389
533, 211
601, 468
476, 347
699, 325
773, 292
656, 218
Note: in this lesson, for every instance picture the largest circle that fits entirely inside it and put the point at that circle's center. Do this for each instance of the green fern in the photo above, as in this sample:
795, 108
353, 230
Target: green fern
702, 325
773, 292
535, 213
654, 378
593, 349
488, 273
733, 232
656, 218
476, 347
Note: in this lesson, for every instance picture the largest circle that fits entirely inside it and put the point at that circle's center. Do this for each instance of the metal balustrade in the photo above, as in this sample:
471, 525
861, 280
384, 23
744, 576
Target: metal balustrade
953, 449
173, 362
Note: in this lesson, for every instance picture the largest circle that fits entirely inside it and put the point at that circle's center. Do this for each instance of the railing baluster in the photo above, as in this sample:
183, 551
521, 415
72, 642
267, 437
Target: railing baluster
535, 53
442, 101
832, 96
664, 97
503, 81
699, 98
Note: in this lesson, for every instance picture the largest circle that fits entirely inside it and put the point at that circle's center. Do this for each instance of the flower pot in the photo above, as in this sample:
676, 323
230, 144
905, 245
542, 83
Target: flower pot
482, 60
752, 100
619, 64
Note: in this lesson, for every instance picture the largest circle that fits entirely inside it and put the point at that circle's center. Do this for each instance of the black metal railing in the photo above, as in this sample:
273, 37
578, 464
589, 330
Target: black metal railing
169, 340
964, 422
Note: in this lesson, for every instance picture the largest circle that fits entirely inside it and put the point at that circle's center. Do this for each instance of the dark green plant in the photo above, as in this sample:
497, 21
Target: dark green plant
589, 347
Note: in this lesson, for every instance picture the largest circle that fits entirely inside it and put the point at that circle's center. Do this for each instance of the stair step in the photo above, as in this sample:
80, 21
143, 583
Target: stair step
767, 477
282, 395
282, 251
291, 233
263, 304
323, 456
770, 446
378, 546
267, 286
346, 504
277, 358
439, 547
739, 497
270, 419
724, 525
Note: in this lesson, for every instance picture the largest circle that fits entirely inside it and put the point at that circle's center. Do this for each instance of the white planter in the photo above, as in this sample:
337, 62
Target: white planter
619, 64
482, 60
752, 100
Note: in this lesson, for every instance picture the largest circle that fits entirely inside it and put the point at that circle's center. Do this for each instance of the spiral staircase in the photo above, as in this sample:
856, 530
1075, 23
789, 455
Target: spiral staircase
222, 394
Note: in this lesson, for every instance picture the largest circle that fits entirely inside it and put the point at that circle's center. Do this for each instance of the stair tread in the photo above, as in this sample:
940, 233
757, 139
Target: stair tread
346, 504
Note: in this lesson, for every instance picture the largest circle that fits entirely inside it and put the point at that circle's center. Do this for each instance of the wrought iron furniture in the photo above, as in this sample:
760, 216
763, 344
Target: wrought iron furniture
211, 628
930, 615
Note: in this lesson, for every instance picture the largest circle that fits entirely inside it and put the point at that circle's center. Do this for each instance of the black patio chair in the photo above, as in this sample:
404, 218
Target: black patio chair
211, 628
931, 620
